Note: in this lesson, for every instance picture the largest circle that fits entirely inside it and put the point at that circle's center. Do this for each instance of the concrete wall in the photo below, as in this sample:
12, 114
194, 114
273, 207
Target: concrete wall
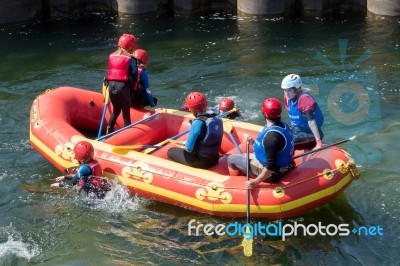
16, 11
388, 8
265, 7
12, 11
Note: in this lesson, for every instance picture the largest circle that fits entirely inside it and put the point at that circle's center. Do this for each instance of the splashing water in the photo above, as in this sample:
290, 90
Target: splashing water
117, 200
15, 246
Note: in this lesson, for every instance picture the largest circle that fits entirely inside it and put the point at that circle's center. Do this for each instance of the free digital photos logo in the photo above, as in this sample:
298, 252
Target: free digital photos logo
348, 93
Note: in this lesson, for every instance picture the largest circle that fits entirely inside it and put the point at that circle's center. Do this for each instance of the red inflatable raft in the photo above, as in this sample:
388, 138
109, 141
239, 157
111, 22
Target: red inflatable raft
61, 117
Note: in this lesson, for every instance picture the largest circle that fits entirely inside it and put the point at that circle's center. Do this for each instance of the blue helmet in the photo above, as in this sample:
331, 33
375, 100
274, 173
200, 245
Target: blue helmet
83, 170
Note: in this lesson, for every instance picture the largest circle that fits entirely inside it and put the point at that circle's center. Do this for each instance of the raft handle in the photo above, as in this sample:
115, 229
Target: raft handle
353, 170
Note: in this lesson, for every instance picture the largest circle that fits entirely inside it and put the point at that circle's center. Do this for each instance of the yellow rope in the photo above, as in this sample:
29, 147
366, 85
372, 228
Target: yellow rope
237, 188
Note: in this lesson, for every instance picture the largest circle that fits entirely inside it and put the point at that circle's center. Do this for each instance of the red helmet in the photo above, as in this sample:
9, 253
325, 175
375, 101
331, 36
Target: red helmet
271, 108
196, 102
83, 151
128, 42
141, 55
226, 104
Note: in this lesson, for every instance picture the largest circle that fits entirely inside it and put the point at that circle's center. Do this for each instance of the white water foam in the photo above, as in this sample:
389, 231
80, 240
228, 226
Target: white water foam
117, 200
15, 246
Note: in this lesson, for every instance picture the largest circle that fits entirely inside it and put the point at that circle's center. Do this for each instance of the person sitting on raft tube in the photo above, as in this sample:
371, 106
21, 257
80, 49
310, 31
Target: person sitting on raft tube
205, 136
273, 149
224, 105
141, 94
306, 117
121, 76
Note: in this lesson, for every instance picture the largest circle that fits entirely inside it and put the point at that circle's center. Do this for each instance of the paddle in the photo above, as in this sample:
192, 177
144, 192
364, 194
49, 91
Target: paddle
324, 147
131, 125
177, 143
184, 132
247, 244
228, 129
159, 145
138, 147
106, 101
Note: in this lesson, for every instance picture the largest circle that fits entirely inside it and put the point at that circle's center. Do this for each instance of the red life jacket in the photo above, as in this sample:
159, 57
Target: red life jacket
96, 182
137, 83
118, 67
95, 166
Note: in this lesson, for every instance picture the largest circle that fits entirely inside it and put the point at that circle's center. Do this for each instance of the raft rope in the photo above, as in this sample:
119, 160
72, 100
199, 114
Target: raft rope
349, 169
41, 124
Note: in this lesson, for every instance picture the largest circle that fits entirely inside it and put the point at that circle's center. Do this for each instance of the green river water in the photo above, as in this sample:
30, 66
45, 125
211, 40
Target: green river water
350, 63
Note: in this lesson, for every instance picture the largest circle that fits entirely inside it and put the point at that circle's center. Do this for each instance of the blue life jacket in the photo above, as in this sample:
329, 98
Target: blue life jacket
212, 140
285, 156
300, 120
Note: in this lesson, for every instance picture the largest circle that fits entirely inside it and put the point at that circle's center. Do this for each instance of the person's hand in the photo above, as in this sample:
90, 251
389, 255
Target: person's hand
55, 185
58, 179
318, 145
158, 110
250, 184
250, 140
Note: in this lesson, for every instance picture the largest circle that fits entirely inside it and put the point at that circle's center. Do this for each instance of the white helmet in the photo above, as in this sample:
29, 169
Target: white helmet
291, 81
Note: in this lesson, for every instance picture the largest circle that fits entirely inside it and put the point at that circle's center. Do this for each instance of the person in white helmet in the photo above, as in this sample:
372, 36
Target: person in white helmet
305, 115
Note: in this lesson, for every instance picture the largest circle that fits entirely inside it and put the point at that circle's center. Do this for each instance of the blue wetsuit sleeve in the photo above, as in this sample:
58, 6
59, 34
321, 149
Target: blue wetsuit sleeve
144, 78
194, 133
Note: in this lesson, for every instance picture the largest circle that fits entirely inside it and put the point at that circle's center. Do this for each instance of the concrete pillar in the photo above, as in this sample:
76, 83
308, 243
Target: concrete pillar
385, 8
265, 7
12, 11
58, 8
135, 7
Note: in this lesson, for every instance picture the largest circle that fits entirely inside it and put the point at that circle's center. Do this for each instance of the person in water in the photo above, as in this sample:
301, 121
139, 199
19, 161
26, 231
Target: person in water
306, 117
87, 175
273, 149
141, 94
205, 136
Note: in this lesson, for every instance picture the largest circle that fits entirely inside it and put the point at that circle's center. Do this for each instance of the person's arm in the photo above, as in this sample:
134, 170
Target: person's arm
314, 129
144, 78
307, 107
264, 175
195, 130
60, 178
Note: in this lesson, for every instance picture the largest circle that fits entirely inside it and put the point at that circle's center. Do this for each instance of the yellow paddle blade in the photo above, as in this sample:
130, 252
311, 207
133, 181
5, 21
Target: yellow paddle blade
119, 149
247, 244
177, 143
106, 95
227, 125
233, 110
